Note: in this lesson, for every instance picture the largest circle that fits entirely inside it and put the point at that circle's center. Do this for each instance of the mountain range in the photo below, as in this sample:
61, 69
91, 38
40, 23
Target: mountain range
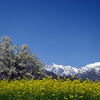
91, 71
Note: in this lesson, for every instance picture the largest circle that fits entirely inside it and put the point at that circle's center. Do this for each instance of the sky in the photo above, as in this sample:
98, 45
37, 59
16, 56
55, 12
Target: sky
63, 32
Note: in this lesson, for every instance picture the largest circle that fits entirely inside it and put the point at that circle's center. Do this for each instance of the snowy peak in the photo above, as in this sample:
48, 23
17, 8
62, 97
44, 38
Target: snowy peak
89, 67
62, 70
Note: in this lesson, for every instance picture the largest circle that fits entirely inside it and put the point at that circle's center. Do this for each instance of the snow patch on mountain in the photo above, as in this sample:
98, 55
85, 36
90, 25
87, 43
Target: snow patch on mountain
62, 70
89, 67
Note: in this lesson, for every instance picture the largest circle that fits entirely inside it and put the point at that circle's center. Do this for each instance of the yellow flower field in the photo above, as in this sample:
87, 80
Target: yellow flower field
49, 89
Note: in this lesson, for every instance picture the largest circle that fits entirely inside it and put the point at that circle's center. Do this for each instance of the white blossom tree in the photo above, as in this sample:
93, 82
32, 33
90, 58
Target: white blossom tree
18, 62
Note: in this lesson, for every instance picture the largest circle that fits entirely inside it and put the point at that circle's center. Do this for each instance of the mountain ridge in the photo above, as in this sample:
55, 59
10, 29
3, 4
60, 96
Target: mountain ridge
91, 71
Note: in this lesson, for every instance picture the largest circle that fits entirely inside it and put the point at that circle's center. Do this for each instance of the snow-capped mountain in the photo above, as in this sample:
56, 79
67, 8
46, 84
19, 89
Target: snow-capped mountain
62, 70
91, 71
89, 67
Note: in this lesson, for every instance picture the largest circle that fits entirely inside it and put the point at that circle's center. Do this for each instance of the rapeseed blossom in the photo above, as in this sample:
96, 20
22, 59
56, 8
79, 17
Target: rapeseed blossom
49, 89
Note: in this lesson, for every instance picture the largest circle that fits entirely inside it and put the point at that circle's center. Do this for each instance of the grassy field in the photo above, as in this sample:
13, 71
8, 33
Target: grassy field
49, 89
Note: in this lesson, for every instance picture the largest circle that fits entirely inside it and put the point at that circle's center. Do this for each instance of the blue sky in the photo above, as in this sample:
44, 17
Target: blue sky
58, 31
